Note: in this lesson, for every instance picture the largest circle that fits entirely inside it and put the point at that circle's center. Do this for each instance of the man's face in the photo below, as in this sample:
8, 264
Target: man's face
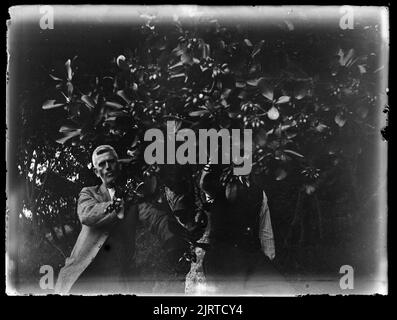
107, 168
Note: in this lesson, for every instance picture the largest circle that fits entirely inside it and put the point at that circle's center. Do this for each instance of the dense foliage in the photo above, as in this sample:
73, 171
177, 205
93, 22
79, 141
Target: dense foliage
311, 101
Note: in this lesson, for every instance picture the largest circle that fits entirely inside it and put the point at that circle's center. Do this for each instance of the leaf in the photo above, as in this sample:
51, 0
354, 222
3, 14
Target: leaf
266, 90
117, 114
292, 135
114, 105
294, 153
110, 118
273, 113
320, 127
88, 101
280, 174
281, 156
122, 63
345, 59
66, 98
221, 44
233, 115
362, 69
248, 43
135, 142
225, 94
123, 95
224, 103
74, 59
55, 78
231, 191
50, 104
178, 75
257, 48
70, 88
283, 99
340, 120
278, 132
288, 124
242, 94
179, 64
65, 129
178, 50
301, 94
198, 113
187, 59
379, 69
309, 189
254, 82
205, 51
69, 136
69, 71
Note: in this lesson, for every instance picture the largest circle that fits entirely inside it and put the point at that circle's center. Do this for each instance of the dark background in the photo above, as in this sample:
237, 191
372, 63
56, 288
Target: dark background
34, 53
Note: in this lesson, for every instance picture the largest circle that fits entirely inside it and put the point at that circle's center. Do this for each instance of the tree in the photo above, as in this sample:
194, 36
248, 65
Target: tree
311, 101
209, 76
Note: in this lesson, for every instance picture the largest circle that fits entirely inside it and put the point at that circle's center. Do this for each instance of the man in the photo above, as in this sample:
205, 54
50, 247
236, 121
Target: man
235, 253
102, 259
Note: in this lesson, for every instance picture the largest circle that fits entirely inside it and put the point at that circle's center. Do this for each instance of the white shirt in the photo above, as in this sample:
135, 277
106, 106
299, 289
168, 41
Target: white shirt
266, 231
112, 191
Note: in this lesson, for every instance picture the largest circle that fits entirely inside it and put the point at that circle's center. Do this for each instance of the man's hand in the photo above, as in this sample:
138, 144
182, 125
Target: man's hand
116, 205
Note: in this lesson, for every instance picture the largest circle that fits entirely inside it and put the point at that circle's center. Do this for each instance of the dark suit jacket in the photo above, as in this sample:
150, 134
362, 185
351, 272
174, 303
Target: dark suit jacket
97, 226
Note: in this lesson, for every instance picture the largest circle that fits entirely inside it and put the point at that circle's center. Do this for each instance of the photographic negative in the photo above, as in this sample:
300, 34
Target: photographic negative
197, 150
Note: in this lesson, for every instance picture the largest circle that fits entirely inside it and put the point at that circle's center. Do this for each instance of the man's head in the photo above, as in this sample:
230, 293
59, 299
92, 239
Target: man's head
106, 165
